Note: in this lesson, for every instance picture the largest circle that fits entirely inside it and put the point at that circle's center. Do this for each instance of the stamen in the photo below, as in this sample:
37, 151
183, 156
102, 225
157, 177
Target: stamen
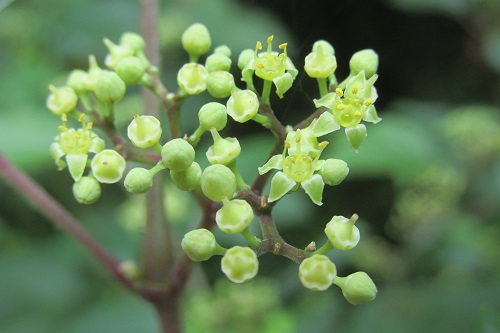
62, 128
340, 107
339, 92
283, 46
354, 89
357, 113
81, 117
260, 65
136, 116
259, 46
368, 102
270, 39
89, 126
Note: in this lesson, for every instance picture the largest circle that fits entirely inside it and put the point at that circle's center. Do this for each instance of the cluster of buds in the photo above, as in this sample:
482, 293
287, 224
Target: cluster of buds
89, 97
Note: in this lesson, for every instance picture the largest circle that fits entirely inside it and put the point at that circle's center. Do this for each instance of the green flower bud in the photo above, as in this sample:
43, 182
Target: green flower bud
320, 64
200, 245
245, 57
327, 47
116, 53
109, 88
218, 62
108, 166
218, 182
220, 84
77, 80
334, 171
234, 216
356, 135
213, 115
61, 100
223, 50
138, 180
189, 179
317, 272
93, 73
133, 41
196, 40
223, 151
240, 264
177, 154
342, 232
86, 190
192, 78
357, 288
242, 105
130, 70
144, 131
366, 60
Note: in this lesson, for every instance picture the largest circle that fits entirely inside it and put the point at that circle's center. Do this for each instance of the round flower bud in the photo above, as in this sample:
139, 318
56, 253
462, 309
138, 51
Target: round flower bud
108, 166
317, 272
77, 80
334, 171
144, 131
357, 288
133, 41
138, 180
189, 179
130, 70
223, 50
61, 100
196, 40
93, 73
234, 216
213, 115
246, 56
366, 60
220, 84
116, 53
109, 88
320, 64
223, 151
240, 264
192, 78
217, 62
86, 190
199, 245
218, 182
342, 232
242, 105
177, 154
327, 47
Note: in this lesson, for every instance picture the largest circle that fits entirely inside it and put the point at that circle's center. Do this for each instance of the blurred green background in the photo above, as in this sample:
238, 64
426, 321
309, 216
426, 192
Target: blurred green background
426, 183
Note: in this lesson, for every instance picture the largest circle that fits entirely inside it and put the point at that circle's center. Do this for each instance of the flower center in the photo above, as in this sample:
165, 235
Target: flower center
298, 167
75, 142
348, 113
269, 65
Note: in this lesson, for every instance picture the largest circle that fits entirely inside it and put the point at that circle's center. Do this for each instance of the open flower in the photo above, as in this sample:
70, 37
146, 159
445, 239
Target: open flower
75, 145
271, 66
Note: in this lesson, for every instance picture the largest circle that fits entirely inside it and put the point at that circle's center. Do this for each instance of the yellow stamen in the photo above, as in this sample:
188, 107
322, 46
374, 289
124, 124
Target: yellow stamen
282, 46
354, 89
259, 46
357, 114
64, 118
81, 117
62, 128
88, 127
270, 39
323, 144
368, 102
340, 107
260, 65
339, 92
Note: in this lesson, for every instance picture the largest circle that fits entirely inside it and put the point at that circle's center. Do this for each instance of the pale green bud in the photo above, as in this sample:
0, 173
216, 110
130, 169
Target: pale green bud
242, 105
189, 179
133, 41
334, 171
196, 40
213, 115
138, 180
130, 70
109, 88
366, 60
357, 288
317, 272
245, 57
240, 264
234, 216
116, 53
93, 73
220, 84
144, 131
218, 62
223, 151
77, 80
356, 135
61, 100
177, 154
86, 190
218, 182
108, 166
223, 50
327, 47
192, 78
342, 232
200, 245
320, 64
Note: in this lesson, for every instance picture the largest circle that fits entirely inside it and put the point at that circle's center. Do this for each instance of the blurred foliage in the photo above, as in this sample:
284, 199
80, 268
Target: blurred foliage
426, 182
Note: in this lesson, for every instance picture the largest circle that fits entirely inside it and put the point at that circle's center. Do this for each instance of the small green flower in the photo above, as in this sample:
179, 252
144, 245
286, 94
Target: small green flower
240, 264
144, 131
74, 146
334, 171
223, 151
130, 70
320, 64
93, 73
218, 62
61, 100
86, 190
133, 41
243, 105
218, 182
212, 115
220, 84
177, 154
109, 87
138, 180
196, 41
108, 166
357, 288
234, 216
192, 78
200, 245
317, 272
342, 233
364, 60
116, 53
189, 179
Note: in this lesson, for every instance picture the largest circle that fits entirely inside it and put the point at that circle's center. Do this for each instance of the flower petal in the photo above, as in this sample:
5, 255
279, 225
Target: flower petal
76, 165
370, 115
326, 101
273, 163
314, 188
356, 135
325, 124
283, 83
280, 185
57, 154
